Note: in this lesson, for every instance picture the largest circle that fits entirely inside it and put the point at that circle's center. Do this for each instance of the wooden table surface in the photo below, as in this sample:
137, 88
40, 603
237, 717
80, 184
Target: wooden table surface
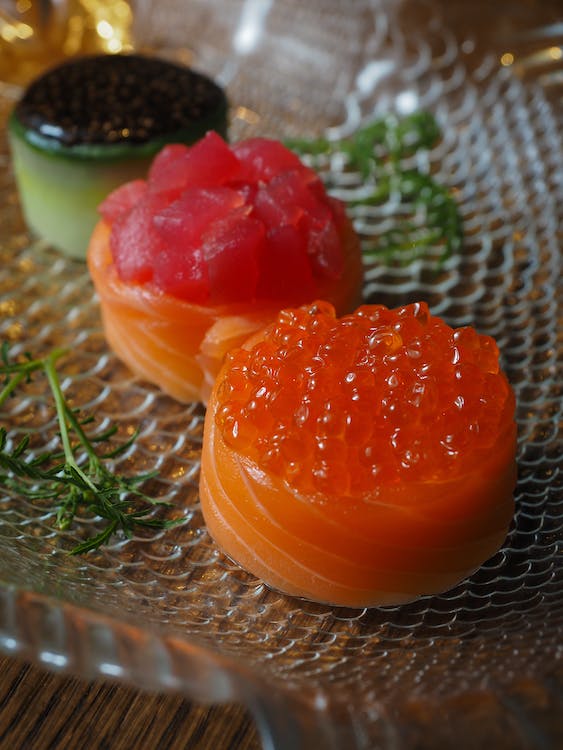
43, 711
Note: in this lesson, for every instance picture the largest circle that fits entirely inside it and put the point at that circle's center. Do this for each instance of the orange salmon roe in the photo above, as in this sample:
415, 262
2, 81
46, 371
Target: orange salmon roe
342, 406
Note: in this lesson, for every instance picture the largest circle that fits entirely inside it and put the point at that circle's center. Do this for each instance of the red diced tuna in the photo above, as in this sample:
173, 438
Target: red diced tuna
226, 225
122, 199
231, 248
285, 270
274, 212
262, 159
294, 198
188, 279
180, 267
324, 245
300, 186
135, 231
208, 163
182, 223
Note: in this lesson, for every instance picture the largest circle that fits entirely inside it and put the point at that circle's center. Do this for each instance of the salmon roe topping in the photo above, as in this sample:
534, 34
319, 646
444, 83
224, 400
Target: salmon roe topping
341, 406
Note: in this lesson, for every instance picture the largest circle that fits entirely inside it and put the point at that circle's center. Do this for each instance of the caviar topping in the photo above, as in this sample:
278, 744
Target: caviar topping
341, 406
108, 99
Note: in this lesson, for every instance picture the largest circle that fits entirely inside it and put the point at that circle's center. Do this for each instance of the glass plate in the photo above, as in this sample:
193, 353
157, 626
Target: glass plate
167, 610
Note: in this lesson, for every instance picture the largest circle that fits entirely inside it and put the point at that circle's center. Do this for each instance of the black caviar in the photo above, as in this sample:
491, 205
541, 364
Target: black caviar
109, 99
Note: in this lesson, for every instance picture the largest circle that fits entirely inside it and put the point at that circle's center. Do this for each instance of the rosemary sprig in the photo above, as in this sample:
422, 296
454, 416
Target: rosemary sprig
60, 477
379, 152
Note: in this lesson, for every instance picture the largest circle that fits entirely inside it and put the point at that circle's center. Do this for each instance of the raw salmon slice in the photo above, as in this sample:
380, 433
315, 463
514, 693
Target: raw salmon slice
360, 461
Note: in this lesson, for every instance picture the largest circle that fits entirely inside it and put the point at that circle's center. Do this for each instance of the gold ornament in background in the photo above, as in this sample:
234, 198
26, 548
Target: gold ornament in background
35, 34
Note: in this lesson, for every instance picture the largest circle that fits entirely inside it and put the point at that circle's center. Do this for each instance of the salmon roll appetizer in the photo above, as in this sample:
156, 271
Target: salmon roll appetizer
360, 461
191, 261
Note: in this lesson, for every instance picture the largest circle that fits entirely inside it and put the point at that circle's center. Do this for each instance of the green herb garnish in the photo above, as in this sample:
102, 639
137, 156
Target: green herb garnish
69, 482
381, 153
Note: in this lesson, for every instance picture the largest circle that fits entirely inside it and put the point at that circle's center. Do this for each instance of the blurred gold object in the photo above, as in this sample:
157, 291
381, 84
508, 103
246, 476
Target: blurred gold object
37, 33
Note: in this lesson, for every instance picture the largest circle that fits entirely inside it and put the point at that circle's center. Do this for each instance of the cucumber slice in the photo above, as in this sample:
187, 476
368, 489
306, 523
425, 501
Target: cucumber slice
60, 197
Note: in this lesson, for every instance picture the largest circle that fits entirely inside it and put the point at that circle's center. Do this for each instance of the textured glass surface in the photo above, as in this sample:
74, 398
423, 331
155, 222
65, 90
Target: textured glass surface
167, 610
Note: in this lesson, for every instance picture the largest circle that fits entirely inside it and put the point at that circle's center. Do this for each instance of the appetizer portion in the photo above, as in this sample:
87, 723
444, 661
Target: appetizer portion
207, 250
360, 461
89, 125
